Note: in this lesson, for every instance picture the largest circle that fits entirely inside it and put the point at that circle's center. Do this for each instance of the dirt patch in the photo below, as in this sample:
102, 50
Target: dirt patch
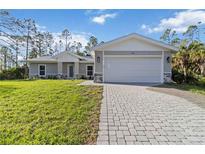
194, 98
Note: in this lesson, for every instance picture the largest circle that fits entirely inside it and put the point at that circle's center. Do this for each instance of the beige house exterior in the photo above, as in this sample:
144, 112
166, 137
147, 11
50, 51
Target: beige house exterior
131, 58
63, 65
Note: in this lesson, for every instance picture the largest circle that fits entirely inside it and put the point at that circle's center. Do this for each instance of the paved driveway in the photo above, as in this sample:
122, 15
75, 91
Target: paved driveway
133, 114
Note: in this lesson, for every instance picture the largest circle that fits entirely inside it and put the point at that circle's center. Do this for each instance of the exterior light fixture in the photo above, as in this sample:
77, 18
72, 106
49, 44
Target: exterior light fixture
168, 59
98, 59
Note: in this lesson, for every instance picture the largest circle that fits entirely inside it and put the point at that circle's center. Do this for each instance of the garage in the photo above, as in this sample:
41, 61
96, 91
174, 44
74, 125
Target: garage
132, 69
133, 58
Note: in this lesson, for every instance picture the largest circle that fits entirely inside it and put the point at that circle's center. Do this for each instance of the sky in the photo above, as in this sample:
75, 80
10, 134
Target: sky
110, 24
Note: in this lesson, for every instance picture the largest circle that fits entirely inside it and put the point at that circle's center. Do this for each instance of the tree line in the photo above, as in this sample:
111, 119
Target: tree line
188, 64
21, 37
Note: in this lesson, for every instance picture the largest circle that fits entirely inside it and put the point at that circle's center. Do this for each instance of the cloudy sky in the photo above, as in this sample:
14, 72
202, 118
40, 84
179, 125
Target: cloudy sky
109, 24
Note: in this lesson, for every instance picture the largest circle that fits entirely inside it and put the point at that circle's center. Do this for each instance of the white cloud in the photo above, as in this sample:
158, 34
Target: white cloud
20, 58
146, 28
179, 22
95, 12
101, 19
41, 28
81, 37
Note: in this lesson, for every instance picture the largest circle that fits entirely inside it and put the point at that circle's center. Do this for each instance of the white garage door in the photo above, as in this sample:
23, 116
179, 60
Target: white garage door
132, 69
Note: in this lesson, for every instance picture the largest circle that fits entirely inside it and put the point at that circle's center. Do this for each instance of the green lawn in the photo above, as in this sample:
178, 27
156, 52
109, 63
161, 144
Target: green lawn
48, 112
195, 88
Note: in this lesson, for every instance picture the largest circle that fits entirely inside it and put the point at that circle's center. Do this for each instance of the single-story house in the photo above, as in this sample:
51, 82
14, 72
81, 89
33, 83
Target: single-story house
131, 58
63, 65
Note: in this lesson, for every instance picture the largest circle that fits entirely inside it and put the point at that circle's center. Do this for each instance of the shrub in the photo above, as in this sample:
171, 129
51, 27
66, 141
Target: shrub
83, 77
52, 77
13, 73
179, 77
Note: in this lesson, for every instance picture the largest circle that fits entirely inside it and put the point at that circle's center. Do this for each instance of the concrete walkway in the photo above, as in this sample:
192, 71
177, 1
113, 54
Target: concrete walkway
132, 114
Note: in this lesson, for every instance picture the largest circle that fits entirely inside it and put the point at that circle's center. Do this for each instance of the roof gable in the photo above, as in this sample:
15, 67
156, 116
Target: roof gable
134, 42
66, 57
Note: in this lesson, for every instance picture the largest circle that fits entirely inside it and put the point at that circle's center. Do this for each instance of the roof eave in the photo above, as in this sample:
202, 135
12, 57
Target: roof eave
43, 60
164, 45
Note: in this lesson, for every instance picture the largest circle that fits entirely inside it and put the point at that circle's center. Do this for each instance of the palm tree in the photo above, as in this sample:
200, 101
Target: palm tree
197, 56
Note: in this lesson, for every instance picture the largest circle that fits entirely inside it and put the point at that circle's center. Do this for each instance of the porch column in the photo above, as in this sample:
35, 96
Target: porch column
60, 68
76, 69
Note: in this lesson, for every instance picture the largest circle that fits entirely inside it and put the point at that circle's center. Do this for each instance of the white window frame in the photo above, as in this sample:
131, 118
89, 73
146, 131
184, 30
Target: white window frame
39, 69
87, 70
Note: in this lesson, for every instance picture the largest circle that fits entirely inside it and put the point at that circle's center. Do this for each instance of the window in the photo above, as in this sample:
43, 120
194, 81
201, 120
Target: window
42, 70
89, 70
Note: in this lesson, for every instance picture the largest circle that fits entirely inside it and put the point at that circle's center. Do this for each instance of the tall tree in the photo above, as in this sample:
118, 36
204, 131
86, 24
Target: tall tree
6, 57
76, 48
9, 29
29, 30
8, 23
192, 33
33, 53
166, 36
48, 38
170, 36
38, 47
66, 35
93, 41
56, 49
60, 45
18, 43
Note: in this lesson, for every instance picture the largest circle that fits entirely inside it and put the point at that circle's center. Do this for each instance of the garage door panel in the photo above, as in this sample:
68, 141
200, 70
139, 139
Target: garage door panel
132, 69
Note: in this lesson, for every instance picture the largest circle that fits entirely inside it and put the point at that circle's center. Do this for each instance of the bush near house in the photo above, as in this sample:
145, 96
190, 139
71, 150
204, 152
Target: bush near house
13, 73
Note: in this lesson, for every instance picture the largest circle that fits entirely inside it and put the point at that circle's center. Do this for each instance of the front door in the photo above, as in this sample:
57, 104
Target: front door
70, 71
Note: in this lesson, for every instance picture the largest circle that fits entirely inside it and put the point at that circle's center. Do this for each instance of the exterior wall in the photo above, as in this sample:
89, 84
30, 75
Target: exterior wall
65, 69
133, 44
132, 52
99, 66
60, 68
33, 69
82, 68
98, 72
167, 67
51, 69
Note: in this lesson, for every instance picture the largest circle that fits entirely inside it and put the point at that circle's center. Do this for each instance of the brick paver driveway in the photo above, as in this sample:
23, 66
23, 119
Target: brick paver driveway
132, 114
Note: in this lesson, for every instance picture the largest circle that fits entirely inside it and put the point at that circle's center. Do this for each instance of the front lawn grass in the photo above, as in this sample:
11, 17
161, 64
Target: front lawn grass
48, 112
198, 88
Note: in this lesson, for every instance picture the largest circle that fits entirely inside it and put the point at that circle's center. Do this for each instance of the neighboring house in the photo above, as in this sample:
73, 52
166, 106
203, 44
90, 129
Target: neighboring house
64, 64
133, 58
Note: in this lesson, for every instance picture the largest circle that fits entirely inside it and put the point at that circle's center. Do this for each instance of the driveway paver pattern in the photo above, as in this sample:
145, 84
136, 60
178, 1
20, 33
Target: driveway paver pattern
131, 114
